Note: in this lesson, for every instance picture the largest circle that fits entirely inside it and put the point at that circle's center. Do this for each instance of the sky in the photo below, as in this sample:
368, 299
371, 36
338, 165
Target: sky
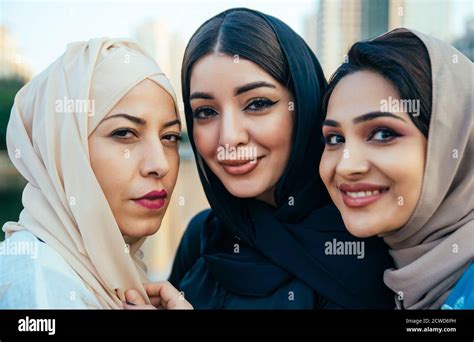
42, 29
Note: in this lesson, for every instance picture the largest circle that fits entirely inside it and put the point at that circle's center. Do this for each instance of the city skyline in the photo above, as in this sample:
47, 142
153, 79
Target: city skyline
85, 20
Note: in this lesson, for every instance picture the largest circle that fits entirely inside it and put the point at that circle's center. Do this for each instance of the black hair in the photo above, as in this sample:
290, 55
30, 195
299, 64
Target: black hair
401, 58
237, 33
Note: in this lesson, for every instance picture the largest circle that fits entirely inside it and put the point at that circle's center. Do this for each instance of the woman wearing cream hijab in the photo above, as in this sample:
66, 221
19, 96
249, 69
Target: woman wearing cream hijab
96, 137
398, 162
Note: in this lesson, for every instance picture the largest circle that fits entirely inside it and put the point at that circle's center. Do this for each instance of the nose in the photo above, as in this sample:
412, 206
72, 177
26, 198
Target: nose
155, 162
232, 129
353, 163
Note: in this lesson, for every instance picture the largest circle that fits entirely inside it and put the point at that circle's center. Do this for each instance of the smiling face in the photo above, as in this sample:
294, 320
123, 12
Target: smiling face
134, 156
374, 160
243, 124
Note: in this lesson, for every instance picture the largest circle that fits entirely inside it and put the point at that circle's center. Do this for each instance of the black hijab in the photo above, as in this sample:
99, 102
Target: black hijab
278, 244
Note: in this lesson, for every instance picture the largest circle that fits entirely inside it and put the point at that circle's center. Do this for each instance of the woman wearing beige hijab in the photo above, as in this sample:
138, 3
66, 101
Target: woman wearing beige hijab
398, 162
96, 137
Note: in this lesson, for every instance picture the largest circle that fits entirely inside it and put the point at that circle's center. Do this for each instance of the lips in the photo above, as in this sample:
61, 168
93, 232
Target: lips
361, 194
153, 200
239, 167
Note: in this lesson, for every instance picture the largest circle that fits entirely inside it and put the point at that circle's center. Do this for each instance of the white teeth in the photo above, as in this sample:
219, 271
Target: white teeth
362, 193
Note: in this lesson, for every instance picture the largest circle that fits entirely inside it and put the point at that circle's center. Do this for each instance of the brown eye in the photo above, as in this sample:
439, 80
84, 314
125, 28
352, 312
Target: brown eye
173, 138
203, 113
123, 133
260, 104
383, 135
334, 139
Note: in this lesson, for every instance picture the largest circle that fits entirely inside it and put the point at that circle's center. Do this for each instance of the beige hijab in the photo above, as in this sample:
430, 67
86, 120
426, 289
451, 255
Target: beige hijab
47, 139
436, 245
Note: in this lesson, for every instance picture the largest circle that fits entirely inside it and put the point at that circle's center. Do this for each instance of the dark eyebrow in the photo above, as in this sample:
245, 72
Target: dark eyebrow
375, 115
201, 95
363, 118
331, 123
238, 91
132, 118
171, 123
251, 86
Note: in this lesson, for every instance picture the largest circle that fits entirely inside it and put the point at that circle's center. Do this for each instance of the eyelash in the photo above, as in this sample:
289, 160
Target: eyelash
266, 104
393, 136
117, 132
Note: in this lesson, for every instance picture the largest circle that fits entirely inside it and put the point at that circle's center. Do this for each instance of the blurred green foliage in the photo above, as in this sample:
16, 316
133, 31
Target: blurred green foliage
10, 200
8, 89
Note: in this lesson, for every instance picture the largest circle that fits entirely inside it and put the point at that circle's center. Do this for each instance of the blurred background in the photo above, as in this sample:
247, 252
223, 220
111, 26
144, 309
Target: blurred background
34, 33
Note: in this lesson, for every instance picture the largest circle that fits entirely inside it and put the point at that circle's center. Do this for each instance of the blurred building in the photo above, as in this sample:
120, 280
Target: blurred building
166, 47
337, 24
12, 64
465, 44
431, 17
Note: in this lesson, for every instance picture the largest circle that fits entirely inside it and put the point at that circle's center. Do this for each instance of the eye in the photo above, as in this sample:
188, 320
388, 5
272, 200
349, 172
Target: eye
333, 139
123, 133
259, 104
383, 134
172, 138
203, 113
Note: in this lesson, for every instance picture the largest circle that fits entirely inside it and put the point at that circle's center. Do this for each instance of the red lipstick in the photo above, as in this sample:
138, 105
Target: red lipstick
153, 200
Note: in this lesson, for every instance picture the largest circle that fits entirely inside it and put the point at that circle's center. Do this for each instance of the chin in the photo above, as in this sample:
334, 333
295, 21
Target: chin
361, 227
142, 230
243, 191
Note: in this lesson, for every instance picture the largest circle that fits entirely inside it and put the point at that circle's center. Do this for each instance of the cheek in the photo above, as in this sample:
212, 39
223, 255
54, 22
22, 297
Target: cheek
206, 138
174, 161
404, 165
105, 157
327, 167
273, 132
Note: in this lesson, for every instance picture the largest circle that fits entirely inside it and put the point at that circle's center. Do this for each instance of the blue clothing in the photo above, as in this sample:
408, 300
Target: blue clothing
462, 295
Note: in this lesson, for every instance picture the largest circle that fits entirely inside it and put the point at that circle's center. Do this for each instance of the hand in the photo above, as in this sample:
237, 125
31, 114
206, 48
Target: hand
162, 295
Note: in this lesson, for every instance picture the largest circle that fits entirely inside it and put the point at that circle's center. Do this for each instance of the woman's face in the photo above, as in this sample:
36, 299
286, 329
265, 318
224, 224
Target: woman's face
243, 122
374, 160
134, 155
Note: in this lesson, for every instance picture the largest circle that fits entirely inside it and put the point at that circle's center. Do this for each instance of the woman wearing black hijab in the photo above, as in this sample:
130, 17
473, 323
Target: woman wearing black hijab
292, 251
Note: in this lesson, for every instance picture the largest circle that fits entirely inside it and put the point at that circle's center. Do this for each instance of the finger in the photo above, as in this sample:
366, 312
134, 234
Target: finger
156, 288
129, 306
155, 301
171, 298
134, 297
162, 289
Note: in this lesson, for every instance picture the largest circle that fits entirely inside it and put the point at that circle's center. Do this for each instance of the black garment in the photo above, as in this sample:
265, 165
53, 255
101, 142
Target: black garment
245, 253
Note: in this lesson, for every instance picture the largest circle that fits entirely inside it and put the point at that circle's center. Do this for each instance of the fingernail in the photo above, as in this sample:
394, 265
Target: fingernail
130, 303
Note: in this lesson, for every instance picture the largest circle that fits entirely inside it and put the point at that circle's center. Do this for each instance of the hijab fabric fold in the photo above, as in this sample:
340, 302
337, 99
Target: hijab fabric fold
436, 245
47, 139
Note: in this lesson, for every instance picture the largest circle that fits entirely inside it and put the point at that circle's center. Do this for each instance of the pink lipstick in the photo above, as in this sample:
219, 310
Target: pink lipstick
239, 167
361, 194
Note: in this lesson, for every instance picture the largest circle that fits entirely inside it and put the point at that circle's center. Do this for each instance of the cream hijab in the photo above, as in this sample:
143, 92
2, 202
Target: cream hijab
436, 245
47, 139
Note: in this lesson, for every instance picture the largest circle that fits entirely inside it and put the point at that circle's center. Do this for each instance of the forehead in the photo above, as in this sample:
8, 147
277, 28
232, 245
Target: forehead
228, 70
146, 98
359, 93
